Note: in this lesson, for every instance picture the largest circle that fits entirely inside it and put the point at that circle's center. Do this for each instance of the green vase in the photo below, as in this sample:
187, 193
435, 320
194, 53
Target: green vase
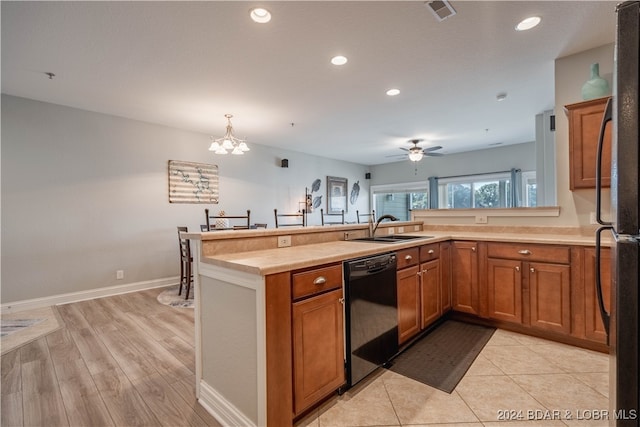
596, 86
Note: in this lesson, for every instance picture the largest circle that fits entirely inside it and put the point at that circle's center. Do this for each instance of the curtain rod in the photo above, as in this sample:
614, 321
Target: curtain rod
475, 174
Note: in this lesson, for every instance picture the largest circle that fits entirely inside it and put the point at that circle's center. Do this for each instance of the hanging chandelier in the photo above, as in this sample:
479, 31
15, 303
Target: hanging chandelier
228, 141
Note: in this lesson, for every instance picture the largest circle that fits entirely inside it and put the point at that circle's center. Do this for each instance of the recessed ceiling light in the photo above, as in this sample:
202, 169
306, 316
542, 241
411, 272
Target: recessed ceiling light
393, 92
260, 15
339, 60
528, 23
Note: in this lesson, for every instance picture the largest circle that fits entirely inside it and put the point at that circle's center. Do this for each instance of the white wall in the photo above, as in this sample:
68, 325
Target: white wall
570, 74
86, 194
520, 156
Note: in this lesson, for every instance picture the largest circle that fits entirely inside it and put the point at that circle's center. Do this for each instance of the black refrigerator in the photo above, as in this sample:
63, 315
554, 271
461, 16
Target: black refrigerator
622, 321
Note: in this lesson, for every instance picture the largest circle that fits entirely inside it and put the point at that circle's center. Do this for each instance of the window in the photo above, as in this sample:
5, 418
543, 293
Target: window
488, 191
399, 199
480, 191
529, 189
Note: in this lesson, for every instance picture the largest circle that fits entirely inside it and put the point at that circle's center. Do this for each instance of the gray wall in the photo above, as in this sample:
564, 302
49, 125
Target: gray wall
86, 194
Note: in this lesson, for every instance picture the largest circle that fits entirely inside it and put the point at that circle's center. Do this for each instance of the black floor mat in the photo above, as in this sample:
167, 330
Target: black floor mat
441, 358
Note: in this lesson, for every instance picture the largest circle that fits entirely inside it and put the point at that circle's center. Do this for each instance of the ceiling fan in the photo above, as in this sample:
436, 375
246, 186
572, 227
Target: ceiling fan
416, 153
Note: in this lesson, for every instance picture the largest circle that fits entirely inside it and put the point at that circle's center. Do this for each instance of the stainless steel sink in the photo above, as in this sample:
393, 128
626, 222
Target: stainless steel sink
393, 238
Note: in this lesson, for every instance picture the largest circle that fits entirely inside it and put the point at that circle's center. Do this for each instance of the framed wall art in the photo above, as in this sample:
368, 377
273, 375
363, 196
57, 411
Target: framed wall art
336, 194
191, 182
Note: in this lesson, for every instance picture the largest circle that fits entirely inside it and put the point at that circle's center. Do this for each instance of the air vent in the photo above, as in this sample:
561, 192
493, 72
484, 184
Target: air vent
441, 9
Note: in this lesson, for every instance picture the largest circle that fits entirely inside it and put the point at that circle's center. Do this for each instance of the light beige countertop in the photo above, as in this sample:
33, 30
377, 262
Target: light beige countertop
270, 261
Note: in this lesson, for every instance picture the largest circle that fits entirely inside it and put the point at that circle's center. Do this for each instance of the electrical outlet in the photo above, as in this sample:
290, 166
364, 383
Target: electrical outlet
119, 274
416, 228
481, 219
400, 230
284, 241
390, 230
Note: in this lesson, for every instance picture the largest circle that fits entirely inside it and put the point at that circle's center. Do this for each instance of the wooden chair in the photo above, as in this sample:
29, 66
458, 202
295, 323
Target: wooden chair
186, 261
366, 217
328, 220
211, 225
300, 219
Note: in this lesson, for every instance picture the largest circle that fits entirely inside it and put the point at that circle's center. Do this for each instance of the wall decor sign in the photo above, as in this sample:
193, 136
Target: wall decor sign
336, 194
191, 182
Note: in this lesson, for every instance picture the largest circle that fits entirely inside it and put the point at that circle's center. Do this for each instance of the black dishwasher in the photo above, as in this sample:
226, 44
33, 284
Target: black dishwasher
371, 314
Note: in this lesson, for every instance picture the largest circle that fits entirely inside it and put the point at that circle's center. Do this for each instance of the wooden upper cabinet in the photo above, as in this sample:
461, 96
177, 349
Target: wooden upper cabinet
585, 119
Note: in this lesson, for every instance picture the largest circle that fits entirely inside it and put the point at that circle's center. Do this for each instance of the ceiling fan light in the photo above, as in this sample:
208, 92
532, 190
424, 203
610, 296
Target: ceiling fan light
227, 144
221, 150
415, 156
214, 146
243, 146
237, 151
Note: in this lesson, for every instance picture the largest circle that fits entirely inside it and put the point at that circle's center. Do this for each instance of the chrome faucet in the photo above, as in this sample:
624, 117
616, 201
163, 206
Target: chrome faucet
373, 228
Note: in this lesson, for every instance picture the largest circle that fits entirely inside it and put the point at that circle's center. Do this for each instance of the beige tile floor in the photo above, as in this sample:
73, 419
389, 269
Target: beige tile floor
516, 381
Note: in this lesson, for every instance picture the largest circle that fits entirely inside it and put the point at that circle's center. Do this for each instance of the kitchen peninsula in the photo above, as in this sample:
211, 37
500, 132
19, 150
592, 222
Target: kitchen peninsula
253, 363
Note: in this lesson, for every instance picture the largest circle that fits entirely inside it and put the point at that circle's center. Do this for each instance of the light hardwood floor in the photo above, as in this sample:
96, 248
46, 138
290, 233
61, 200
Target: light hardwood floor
124, 360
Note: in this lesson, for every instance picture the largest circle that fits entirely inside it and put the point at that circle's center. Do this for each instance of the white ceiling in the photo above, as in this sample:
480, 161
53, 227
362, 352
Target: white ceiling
186, 64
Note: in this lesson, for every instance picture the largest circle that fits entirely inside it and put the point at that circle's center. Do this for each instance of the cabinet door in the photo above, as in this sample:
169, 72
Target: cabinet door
430, 291
318, 348
549, 297
408, 303
464, 269
445, 276
585, 119
505, 289
594, 328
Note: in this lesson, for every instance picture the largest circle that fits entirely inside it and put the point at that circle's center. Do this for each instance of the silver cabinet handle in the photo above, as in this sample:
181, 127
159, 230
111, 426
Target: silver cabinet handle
533, 270
341, 300
524, 252
431, 251
517, 268
320, 280
408, 257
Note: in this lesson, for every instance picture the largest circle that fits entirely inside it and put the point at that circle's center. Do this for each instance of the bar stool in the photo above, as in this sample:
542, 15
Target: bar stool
186, 260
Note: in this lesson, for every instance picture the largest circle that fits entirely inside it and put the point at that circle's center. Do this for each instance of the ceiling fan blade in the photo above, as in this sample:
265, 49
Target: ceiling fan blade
434, 154
404, 149
428, 149
397, 155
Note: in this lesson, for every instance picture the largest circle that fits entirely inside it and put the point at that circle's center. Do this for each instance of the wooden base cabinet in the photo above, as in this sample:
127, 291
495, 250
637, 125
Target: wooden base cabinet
550, 297
317, 335
408, 283
430, 292
464, 277
530, 285
419, 281
504, 288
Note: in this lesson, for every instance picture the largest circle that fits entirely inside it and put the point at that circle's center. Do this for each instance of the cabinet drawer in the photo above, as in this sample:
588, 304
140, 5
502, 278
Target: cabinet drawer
407, 257
429, 252
529, 252
317, 280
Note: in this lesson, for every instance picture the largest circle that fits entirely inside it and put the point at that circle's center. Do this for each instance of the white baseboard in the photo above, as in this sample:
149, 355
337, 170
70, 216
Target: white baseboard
29, 304
221, 409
